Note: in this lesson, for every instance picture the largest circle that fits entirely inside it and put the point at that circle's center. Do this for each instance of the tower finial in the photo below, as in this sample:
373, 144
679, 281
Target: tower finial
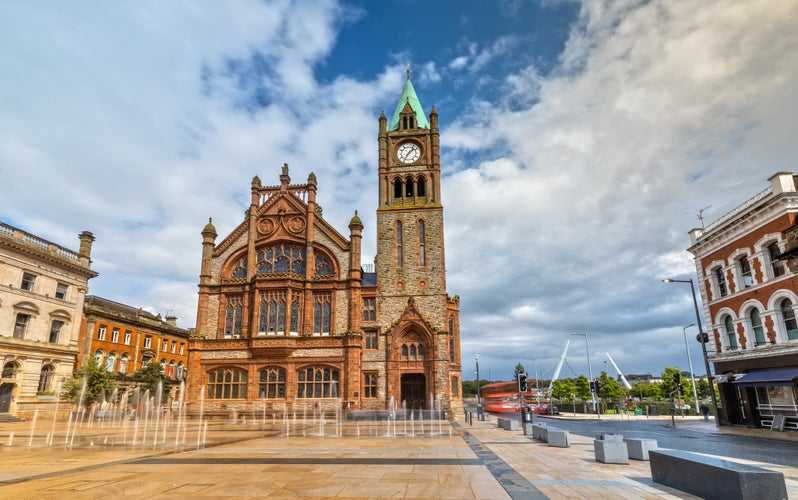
409, 71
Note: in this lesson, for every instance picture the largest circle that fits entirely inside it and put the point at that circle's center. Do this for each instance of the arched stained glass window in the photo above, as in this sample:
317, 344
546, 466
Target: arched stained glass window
227, 383
322, 303
240, 270
272, 313
233, 316
323, 266
271, 383
282, 258
317, 382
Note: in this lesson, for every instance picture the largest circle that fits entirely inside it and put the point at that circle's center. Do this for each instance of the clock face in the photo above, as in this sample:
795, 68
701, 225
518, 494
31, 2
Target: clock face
408, 152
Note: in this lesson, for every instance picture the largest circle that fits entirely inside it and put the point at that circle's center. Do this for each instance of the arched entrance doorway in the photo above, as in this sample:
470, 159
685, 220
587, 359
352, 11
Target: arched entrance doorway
5, 397
414, 386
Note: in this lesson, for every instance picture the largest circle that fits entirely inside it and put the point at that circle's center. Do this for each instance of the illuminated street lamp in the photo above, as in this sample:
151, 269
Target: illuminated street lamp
703, 338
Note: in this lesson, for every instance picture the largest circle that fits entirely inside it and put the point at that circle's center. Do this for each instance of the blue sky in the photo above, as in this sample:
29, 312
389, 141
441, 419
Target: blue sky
579, 141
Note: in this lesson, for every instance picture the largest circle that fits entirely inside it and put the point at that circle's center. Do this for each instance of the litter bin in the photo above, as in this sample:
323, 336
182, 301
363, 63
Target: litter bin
653, 410
526, 415
638, 411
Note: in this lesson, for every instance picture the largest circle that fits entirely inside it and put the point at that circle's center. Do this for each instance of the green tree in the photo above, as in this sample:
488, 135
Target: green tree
645, 390
582, 386
702, 387
562, 389
149, 378
610, 388
519, 368
668, 376
99, 383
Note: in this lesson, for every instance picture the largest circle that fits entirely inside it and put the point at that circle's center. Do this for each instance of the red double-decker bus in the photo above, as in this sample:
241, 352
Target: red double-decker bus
502, 397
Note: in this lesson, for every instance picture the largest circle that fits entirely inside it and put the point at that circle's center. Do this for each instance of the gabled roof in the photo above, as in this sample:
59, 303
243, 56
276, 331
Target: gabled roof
409, 96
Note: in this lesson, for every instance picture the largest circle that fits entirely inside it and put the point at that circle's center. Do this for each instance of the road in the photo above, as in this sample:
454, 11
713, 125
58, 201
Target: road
692, 436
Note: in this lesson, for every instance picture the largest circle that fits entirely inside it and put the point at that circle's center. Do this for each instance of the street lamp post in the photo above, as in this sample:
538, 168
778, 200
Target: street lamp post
589, 370
703, 338
690, 364
479, 404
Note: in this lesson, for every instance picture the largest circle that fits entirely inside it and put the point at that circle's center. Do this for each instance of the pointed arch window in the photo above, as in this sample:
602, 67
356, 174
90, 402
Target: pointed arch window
409, 187
398, 243
282, 258
323, 266
422, 243
756, 326
731, 338
322, 303
397, 188
234, 312
272, 313
296, 299
240, 270
421, 187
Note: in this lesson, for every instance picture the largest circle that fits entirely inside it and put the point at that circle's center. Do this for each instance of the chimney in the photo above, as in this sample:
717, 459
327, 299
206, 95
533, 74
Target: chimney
86, 239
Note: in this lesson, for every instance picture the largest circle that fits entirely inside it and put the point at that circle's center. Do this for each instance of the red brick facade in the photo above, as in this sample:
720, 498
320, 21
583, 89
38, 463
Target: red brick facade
287, 316
750, 293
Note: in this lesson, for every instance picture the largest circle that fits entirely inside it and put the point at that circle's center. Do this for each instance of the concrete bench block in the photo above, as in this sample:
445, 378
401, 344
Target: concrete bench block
610, 451
638, 448
609, 437
558, 438
529, 430
508, 424
714, 478
539, 432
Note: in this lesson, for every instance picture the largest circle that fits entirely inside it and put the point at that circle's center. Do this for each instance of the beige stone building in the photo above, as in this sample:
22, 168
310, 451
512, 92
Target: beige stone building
42, 289
288, 315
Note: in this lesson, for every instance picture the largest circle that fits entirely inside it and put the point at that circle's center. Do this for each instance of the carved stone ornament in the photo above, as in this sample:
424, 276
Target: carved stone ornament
295, 224
266, 226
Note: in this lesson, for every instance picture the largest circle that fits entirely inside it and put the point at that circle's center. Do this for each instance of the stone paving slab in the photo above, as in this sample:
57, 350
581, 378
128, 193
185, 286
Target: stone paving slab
458, 461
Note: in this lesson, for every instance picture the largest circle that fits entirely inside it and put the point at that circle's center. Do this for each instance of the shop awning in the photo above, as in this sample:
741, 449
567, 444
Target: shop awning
763, 378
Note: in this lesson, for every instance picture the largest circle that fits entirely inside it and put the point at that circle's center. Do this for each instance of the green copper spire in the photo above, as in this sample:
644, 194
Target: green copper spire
409, 95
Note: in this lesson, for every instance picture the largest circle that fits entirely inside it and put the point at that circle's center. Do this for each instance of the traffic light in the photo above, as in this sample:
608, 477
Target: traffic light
677, 379
592, 387
522, 382
598, 385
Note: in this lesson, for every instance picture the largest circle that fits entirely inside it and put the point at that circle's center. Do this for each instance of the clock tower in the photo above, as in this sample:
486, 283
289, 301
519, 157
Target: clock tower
418, 319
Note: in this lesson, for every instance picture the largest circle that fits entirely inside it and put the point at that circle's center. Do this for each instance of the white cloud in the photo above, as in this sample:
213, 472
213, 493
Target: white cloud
567, 198
657, 110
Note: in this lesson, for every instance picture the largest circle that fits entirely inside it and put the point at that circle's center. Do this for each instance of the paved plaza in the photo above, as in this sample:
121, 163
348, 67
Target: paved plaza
256, 459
